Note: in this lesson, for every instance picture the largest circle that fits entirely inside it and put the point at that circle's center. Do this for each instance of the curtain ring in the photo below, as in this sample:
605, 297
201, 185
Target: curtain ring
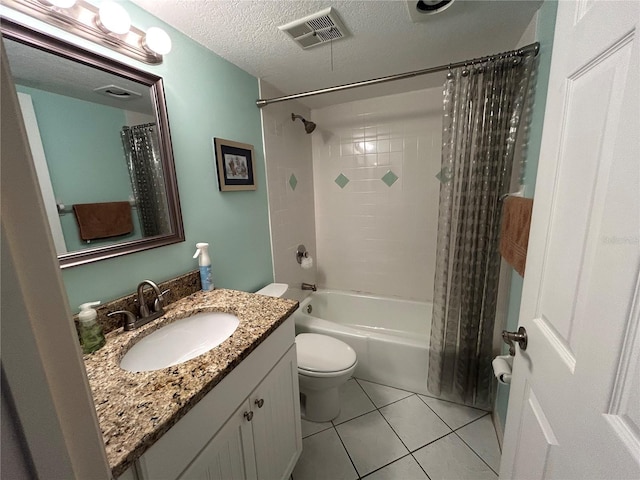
450, 73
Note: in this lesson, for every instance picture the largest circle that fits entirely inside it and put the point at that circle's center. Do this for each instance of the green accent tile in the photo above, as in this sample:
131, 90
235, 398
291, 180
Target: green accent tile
293, 181
341, 180
444, 175
389, 178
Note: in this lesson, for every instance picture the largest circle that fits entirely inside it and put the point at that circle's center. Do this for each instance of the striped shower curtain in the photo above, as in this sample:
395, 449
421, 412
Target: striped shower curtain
483, 110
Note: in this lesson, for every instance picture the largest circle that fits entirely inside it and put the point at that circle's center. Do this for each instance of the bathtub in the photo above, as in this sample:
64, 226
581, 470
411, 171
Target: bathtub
390, 336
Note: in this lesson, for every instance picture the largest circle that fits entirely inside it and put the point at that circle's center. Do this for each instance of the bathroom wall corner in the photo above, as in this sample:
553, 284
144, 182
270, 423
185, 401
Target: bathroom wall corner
290, 188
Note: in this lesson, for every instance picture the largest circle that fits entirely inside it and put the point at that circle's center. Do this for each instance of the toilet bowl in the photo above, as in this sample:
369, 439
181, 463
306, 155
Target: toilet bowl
324, 364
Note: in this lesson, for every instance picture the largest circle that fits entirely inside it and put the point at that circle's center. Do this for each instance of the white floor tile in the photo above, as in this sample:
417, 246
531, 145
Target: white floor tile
353, 402
450, 459
453, 415
309, 428
323, 457
406, 469
414, 422
481, 437
382, 395
371, 442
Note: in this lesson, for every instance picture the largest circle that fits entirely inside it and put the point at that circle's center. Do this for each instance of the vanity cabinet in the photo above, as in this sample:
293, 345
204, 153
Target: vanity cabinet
259, 440
247, 427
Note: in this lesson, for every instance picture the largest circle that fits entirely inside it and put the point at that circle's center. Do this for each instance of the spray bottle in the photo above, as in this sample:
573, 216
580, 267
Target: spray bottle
205, 266
91, 335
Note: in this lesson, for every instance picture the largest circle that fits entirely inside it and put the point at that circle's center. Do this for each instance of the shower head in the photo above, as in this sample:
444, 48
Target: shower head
308, 126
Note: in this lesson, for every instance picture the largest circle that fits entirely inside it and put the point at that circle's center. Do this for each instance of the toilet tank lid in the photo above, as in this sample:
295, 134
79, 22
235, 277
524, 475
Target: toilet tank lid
274, 289
322, 353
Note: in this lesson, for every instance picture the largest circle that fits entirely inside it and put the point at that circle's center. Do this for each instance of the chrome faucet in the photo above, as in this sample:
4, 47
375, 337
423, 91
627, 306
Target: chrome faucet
309, 286
131, 321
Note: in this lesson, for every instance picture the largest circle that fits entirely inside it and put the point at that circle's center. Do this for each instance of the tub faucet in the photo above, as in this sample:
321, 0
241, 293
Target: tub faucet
309, 286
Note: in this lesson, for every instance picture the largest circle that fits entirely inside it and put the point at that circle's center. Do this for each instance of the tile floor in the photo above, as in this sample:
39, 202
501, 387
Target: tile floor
384, 433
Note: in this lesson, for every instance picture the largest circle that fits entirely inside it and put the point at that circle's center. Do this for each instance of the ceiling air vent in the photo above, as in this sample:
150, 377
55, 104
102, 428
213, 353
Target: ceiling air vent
315, 29
117, 92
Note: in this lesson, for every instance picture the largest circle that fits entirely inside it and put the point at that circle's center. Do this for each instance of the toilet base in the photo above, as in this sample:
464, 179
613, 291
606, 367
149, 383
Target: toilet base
321, 405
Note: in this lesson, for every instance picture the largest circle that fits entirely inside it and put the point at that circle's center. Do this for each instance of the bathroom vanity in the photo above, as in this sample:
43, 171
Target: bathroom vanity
232, 412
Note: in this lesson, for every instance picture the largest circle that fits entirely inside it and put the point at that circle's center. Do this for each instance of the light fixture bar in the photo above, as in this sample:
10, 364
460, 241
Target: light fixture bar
80, 20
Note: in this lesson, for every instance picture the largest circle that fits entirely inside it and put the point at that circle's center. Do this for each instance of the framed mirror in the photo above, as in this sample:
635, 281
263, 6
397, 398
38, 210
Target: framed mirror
99, 136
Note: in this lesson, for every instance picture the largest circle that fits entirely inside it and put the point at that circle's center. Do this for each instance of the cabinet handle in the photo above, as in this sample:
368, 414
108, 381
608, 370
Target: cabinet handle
259, 403
248, 416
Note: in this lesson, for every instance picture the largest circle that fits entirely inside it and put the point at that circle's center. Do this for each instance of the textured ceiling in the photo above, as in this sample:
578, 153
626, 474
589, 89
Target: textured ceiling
35, 68
384, 40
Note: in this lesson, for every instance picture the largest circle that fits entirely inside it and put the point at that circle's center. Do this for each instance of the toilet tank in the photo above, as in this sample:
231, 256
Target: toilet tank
274, 290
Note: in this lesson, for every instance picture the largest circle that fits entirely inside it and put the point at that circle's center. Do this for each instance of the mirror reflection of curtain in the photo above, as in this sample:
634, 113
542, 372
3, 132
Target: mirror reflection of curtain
142, 153
484, 110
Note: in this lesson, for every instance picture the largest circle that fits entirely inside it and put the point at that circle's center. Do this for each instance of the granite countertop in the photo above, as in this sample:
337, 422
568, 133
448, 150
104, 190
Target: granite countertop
135, 409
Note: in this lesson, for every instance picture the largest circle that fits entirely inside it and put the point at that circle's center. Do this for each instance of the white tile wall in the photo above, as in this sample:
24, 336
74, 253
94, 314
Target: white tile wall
288, 151
372, 237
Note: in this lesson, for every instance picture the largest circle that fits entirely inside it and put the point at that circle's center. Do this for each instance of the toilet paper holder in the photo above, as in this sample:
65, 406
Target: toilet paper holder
520, 337
301, 253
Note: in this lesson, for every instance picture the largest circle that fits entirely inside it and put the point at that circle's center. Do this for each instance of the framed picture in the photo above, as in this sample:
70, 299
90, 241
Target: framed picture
235, 165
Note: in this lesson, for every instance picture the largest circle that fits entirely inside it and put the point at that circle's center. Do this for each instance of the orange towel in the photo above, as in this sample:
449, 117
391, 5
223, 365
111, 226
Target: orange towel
103, 220
514, 236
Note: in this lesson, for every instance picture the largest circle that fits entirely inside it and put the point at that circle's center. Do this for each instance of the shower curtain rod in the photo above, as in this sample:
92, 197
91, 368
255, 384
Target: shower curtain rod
533, 47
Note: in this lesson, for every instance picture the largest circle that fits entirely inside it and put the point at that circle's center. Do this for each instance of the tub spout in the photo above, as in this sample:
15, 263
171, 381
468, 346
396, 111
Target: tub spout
309, 286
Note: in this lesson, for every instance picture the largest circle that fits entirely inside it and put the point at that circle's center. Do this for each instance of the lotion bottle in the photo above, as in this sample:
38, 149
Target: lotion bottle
204, 261
91, 335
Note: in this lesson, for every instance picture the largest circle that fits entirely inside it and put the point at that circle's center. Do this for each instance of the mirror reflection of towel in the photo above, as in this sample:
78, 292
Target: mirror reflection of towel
103, 220
514, 237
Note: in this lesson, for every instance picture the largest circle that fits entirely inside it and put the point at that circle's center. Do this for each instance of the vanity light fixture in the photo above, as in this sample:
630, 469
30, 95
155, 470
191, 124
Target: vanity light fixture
59, 3
108, 25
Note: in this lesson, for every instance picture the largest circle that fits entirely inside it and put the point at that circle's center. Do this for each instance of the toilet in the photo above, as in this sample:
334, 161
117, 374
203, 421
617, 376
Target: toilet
324, 364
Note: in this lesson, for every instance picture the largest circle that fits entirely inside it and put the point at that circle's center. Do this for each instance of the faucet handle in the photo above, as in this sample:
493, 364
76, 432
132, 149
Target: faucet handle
158, 303
130, 318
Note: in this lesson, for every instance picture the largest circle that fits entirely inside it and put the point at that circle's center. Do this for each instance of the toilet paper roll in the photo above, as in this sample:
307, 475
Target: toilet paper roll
307, 262
502, 368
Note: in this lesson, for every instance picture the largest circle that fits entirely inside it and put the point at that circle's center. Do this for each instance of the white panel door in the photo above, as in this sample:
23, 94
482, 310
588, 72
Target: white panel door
42, 171
574, 407
276, 421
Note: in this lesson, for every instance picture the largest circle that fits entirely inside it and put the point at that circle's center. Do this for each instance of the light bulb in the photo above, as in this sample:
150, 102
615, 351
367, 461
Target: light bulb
114, 18
158, 41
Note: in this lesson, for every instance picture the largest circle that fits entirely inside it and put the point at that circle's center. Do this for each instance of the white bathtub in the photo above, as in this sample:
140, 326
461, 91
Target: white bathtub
390, 336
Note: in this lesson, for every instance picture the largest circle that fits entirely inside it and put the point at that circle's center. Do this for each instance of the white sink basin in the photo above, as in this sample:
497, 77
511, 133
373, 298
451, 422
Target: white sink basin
180, 341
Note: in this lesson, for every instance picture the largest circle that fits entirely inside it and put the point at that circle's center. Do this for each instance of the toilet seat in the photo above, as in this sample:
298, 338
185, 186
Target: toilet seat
323, 356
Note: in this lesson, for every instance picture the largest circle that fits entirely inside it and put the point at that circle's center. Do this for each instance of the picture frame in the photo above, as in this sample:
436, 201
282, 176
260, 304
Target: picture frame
235, 163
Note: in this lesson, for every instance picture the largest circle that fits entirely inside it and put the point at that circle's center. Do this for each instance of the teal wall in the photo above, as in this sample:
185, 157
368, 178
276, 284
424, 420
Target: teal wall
206, 97
544, 35
85, 146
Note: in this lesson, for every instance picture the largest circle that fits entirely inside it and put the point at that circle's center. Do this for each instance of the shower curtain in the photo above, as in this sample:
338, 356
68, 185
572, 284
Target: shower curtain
483, 107
142, 153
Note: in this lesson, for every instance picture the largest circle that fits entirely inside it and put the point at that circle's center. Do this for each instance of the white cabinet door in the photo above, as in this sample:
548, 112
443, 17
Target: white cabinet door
276, 420
229, 455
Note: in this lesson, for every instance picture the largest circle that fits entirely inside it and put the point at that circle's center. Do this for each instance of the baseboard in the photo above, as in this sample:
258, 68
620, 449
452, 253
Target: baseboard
498, 427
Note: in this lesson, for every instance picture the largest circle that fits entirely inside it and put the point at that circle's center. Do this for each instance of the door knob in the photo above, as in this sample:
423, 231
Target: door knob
259, 403
520, 337
248, 416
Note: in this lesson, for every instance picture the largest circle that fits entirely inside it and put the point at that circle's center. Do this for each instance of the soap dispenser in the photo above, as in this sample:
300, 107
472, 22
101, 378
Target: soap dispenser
91, 335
